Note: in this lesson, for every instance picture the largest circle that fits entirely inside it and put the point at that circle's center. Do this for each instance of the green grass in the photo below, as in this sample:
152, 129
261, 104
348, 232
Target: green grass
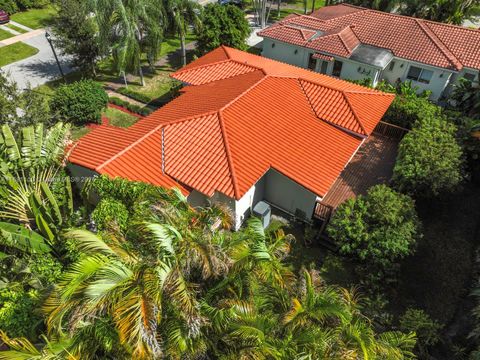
35, 18
5, 34
15, 52
78, 132
119, 118
16, 28
172, 44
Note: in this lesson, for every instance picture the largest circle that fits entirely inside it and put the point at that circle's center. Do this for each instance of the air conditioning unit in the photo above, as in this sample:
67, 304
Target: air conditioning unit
263, 211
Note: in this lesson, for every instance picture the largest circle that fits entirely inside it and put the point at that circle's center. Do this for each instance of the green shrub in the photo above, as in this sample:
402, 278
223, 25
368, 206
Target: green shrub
429, 159
17, 312
134, 95
379, 228
426, 329
144, 111
110, 212
81, 102
405, 111
10, 6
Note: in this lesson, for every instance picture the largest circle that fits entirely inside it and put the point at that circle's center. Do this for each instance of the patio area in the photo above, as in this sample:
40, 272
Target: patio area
372, 164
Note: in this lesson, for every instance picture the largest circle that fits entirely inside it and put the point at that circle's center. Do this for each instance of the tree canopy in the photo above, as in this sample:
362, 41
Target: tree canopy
429, 159
222, 25
379, 228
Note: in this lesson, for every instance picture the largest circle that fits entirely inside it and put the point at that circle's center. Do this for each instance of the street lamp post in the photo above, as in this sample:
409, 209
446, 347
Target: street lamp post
49, 39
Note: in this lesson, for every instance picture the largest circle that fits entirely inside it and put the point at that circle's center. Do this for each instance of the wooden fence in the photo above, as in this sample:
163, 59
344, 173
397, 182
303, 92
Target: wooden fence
390, 130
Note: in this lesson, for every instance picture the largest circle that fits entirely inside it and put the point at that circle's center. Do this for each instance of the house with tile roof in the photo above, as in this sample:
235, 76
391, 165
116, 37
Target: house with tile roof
245, 128
355, 43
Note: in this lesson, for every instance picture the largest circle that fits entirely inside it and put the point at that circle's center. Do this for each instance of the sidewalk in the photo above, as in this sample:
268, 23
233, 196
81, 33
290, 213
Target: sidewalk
22, 37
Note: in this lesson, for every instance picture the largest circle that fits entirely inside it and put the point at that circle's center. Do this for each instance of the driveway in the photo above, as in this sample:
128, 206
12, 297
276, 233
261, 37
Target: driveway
37, 69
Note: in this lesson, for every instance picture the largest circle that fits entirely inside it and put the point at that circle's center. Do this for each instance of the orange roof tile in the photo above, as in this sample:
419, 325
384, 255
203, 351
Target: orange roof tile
242, 116
432, 43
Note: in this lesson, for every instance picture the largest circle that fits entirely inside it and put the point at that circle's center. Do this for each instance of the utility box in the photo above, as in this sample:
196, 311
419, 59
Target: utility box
263, 211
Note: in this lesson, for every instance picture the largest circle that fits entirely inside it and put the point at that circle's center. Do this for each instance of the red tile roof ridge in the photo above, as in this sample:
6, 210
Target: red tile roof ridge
345, 15
355, 113
246, 91
285, 20
154, 130
331, 87
330, 122
439, 44
233, 178
181, 71
460, 27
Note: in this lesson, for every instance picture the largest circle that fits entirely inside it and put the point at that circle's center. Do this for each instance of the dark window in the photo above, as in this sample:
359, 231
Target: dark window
469, 76
312, 63
324, 67
273, 45
391, 66
419, 74
337, 68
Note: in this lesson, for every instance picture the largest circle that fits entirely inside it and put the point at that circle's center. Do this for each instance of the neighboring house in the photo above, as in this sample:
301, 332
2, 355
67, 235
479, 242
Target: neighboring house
245, 129
355, 43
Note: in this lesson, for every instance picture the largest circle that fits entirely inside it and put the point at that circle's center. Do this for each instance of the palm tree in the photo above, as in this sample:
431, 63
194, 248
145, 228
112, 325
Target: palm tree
23, 349
183, 14
30, 169
128, 29
147, 292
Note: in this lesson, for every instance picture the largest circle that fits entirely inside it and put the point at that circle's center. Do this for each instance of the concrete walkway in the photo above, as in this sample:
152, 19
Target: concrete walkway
37, 69
11, 31
22, 37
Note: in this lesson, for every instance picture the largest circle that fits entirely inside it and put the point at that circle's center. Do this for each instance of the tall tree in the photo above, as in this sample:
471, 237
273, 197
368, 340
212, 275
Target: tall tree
76, 34
183, 15
222, 25
128, 29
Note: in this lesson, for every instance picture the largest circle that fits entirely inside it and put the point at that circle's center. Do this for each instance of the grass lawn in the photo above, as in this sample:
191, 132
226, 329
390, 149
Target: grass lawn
35, 18
172, 44
119, 118
16, 28
15, 52
5, 34
78, 132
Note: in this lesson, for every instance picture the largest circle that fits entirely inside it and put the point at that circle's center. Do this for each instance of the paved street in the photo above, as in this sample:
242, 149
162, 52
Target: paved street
38, 69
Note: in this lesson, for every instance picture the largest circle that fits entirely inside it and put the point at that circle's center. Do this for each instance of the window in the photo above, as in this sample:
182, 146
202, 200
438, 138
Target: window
391, 66
312, 63
419, 74
469, 76
273, 45
324, 67
337, 68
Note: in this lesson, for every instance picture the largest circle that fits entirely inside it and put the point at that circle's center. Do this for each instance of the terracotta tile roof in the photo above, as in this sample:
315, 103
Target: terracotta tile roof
225, 131
336, 41
290, 34
436, 44
323, 57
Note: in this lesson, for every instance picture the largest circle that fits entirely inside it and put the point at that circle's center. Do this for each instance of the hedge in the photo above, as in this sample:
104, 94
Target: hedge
134, 95
13, 6
144, 111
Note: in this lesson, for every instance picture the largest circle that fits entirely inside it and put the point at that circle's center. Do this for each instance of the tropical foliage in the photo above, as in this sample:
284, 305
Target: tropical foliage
429, 158
379, 228
448, 11
157, 278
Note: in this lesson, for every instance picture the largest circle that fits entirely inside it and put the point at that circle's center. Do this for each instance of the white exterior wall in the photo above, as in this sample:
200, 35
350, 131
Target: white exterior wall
273, 187
438, 83
351, 71
288, 195
244, 206
285, 52
440, 80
